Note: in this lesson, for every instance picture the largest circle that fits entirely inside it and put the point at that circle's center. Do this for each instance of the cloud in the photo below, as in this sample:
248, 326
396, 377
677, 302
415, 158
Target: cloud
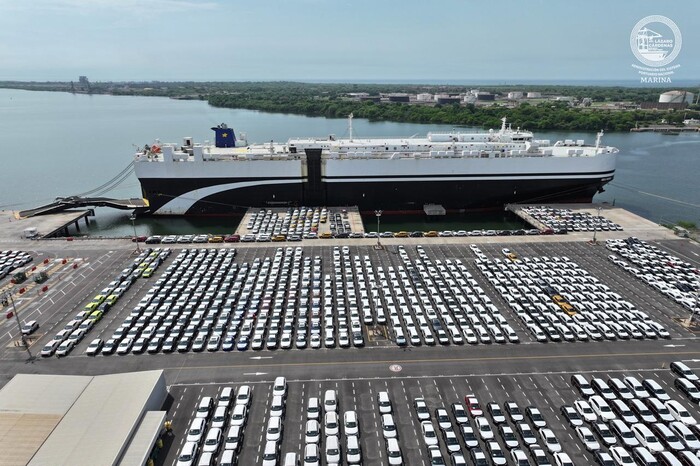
124, 6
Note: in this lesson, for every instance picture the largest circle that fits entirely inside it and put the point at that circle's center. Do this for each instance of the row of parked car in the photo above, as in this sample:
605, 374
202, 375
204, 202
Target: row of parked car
563, 220
558, 300
440, 301
11, 260
338, 233
205, 301
622, 420
218, 426
76, 329
484, 433
324, 428
672, 276
296, 221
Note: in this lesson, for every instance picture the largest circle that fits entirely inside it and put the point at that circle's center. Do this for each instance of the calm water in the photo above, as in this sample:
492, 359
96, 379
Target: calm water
57, 144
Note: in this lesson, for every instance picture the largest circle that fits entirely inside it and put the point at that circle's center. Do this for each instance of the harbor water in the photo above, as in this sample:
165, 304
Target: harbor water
60, 144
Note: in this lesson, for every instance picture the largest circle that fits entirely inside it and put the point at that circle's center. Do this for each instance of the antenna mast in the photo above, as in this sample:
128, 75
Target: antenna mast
350, 117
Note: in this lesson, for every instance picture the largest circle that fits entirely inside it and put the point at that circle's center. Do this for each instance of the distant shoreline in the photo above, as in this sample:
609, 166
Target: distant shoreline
537, 107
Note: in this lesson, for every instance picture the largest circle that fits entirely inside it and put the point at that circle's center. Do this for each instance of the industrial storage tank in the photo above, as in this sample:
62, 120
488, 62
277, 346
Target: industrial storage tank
676, 97
515, 95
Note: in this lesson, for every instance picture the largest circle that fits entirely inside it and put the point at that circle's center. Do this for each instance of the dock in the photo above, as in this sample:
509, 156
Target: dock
529, 219
353, 217
665, 129
632, 224
12, 226
67, 223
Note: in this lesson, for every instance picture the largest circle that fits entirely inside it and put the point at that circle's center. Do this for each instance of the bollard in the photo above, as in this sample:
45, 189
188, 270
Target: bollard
64, 261
75, 266
22, 290
45, 288
46, 261
33, 268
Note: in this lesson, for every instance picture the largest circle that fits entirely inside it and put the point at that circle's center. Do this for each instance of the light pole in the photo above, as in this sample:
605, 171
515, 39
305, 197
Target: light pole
6, 299
596, 225
378, 213
136, 238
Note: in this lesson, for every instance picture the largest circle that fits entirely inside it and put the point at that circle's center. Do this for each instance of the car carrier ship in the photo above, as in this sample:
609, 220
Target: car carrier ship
459, 170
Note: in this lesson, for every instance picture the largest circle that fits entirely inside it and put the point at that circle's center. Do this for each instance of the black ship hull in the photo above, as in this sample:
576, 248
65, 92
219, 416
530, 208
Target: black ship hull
399, 196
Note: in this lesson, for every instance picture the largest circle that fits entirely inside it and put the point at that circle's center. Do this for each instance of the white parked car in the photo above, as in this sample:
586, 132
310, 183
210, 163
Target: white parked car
312, 432
585, 411
429, 434
587, 438
550, 441
680, 413
601, 408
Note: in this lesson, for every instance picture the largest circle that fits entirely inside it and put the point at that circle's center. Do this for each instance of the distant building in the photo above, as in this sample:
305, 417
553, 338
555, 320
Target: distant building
663, 105
447, 99
370, 98
424, 97
514, 95
397, 97
485, 96
534, 95
676, 97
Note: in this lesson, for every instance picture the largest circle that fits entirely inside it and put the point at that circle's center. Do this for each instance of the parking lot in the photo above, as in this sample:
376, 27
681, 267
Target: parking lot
547, 392
558, 300
312, 298
385, 291
662, 270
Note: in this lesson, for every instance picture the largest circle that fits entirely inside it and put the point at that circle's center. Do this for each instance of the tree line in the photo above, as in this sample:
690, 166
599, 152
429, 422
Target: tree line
331, 100
540, 116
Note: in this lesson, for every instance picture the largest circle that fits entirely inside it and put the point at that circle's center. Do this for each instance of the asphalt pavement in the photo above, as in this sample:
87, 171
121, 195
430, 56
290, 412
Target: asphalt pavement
529, 372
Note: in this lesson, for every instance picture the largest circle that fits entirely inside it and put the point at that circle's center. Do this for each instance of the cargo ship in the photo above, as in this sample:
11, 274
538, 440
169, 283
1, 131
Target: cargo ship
461, 171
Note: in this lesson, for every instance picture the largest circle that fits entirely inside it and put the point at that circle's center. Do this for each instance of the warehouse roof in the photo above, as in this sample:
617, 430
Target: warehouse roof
75, 420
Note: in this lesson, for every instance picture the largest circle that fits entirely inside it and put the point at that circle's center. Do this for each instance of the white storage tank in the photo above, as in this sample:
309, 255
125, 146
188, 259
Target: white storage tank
513, 95
534, 95
676, 97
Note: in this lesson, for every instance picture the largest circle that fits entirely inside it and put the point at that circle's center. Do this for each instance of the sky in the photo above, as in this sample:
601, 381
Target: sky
357, 40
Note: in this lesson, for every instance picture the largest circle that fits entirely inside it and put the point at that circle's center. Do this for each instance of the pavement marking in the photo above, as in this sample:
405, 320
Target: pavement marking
429, 377
443, 360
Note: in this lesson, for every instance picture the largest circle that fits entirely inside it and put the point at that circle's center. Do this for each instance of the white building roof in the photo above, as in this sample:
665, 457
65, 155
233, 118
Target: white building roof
51, 420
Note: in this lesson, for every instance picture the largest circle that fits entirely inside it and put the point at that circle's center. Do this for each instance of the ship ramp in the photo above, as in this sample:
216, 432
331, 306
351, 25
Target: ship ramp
72, 202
